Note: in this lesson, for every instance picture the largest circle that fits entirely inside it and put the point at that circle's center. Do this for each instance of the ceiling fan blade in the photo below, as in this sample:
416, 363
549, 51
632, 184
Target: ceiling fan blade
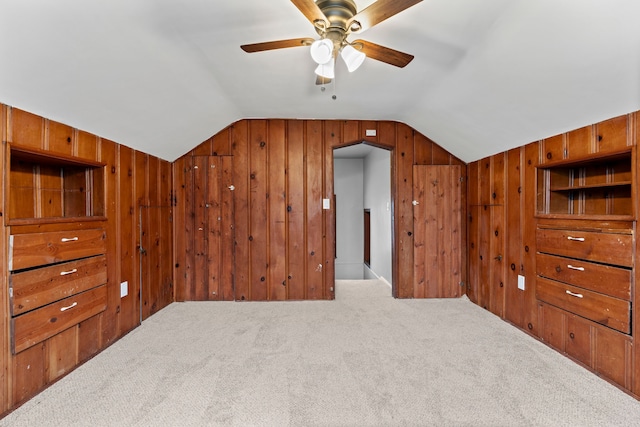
379, 11
311, 10
384, 54
322, 80
278, 44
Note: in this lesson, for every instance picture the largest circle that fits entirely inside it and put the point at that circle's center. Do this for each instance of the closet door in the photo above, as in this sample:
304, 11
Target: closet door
213, 232
437, 216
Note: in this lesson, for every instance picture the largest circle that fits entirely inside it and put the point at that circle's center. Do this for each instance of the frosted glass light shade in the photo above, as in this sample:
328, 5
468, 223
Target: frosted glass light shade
322, 51
326, 70
352, 57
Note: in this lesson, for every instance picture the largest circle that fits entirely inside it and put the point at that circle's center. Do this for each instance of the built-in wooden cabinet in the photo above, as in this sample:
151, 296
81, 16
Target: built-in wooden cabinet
57, 270
592, 186
46, 187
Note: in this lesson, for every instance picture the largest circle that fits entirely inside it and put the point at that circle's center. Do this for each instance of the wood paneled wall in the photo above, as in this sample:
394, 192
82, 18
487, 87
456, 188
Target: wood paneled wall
284, 240
502, 198
133, 179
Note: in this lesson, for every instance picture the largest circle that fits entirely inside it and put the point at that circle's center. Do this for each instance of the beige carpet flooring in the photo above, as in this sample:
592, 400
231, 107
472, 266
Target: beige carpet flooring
365, 359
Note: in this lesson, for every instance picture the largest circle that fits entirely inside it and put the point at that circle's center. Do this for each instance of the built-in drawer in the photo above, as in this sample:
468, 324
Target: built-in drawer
35, 288
612, 312
35, 249
38, 325
605, 247
606, 279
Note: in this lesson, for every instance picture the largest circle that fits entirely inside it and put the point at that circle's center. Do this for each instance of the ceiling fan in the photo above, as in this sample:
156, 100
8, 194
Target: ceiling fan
334, 21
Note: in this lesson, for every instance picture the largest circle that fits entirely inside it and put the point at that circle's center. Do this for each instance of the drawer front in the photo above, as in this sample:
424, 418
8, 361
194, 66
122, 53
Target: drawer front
35, 249
609, 248
38, 325
35, 288
613, 281
612, 312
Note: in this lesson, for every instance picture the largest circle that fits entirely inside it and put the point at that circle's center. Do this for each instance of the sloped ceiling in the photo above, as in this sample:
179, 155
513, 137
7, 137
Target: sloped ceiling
161, 76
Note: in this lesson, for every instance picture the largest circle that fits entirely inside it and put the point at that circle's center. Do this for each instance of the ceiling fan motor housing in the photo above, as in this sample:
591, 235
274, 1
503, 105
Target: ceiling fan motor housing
338, 12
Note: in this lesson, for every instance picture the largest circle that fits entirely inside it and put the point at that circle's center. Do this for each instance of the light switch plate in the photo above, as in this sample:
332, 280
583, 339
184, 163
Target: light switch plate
521, 282
124, 289
326, 204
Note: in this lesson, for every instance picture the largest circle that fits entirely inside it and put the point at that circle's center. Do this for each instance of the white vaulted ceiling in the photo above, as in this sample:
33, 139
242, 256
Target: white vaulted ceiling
161, 76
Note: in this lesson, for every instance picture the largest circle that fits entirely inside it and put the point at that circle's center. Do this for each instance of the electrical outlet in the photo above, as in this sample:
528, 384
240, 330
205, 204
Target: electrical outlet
124, 289
326, 204
521, 282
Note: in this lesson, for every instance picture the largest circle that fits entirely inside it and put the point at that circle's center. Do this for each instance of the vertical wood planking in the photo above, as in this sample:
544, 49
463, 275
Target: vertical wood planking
473, 232
60, 138
387, 137
129, 317
332, 138
423, 216
189, 229
277, 210
86, 145
201, 235
484, 239
26, 129
4, 297
423, 148
404, 209
166, 237
314, 218
240, 149
220, 143
153, 230
227, 270
28, 373
62, 354
296, 218
258, 225
513, 295
108, 155
497, 234
440, 156
532, 158
142, 233
303, 162
453, 221
212, 214
179, 222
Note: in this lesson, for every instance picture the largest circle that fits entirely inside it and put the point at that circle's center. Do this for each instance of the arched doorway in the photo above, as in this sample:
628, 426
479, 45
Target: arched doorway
364, 216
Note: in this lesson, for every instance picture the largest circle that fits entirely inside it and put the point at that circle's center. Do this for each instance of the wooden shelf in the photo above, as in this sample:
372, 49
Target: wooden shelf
592, 187
43, 188
586, 187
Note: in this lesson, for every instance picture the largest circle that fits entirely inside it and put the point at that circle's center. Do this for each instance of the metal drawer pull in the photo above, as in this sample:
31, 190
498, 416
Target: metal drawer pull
75, 303
574, 295
64, 273
575, 239
575, 268
64, 239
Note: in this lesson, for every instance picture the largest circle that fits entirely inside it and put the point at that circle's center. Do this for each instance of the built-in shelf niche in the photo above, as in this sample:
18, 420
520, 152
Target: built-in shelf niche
49, 188
594, 186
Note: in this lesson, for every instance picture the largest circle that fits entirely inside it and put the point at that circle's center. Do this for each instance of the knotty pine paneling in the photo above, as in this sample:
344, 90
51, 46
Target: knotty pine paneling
128, 185
5, 359
514, 297
501, 201
284, 239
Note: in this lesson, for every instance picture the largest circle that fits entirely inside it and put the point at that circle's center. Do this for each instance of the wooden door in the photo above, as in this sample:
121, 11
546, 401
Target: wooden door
156, 280
437, 218
213, 229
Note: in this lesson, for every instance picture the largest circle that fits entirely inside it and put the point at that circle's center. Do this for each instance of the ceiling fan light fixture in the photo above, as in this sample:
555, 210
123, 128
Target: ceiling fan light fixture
352, 57
322, 51
326, 70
